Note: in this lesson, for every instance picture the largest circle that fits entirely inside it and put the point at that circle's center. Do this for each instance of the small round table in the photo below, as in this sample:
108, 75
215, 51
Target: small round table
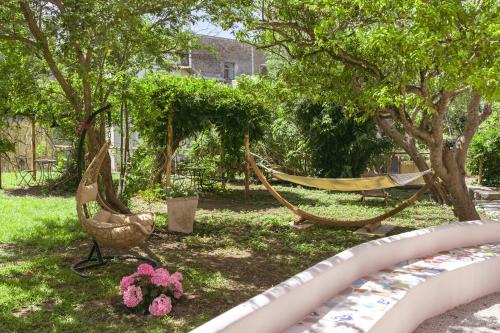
45, 167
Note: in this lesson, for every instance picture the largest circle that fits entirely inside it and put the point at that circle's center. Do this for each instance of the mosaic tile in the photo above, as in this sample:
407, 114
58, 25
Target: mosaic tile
359, 307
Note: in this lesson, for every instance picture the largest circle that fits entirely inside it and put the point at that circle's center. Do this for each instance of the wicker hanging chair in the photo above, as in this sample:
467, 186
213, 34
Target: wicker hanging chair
106, 226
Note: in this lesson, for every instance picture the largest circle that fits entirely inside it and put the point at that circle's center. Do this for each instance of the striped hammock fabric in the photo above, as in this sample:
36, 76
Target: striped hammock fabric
351, 184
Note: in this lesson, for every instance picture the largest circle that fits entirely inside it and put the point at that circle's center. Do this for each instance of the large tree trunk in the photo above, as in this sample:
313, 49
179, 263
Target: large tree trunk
93, 144
463, 205
462, 202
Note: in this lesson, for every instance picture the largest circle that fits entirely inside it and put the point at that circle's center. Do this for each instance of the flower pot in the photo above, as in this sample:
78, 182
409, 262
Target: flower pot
181, 213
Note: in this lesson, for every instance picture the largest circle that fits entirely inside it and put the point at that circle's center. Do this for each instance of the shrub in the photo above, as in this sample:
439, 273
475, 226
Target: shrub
485, 147
339, 145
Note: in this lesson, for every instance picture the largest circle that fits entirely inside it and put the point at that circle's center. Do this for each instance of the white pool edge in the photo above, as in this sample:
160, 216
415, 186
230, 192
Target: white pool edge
281, 306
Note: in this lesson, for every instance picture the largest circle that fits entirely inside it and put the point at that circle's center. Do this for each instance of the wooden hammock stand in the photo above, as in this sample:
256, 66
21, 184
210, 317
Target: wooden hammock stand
370, 223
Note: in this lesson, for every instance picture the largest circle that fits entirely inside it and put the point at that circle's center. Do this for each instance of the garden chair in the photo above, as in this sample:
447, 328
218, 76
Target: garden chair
378, 193
106, 226
24, 172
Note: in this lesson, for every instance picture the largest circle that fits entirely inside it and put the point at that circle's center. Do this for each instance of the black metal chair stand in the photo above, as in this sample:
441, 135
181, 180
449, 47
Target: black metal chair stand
95, 259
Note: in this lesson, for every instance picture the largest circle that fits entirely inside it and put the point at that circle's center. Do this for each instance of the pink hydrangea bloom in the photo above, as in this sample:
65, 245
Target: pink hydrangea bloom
132, 296
178, 293
145, 269
176, 276
177, 289
160, 306
176, 284
160, 277
125, 283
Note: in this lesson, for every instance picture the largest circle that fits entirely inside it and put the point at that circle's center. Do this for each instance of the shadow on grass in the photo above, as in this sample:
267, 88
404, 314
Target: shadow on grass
50, 234
259, 199
36, 191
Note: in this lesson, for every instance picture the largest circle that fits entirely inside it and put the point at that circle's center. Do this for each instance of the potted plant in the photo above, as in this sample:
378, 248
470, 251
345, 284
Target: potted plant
182, 201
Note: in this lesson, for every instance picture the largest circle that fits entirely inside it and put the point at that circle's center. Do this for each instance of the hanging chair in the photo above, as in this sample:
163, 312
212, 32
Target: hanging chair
106, 226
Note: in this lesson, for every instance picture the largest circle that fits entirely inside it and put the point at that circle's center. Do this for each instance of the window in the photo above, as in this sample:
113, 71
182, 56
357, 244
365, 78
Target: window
228, 71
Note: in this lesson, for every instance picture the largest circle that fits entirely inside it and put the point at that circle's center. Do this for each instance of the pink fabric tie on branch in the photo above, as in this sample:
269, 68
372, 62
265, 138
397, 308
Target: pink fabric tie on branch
84, 125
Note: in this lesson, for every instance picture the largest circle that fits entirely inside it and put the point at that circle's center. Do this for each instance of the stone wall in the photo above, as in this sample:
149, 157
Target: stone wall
214, 52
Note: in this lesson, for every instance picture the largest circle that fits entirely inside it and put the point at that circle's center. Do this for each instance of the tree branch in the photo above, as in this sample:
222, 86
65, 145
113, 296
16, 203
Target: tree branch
42, 42
487, 110
351, 59
24, 40
473, 122
400, 115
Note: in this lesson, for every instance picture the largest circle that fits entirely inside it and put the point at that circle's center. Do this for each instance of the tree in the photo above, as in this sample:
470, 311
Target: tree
87, 44
402, 62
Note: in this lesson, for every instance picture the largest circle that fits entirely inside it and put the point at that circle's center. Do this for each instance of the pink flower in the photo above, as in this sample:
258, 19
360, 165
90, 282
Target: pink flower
132, 296
177, 289
160, 277
160, 306
176, 276
177, 294
125, 283
145, 269
176, 284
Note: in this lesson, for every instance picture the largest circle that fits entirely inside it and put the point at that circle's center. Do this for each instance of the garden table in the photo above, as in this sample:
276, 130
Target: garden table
196, 175
45, 167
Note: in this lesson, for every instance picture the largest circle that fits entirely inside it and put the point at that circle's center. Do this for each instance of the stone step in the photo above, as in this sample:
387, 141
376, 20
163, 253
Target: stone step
486, 194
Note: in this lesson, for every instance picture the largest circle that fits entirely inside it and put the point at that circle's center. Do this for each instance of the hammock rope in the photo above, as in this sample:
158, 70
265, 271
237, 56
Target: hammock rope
305, 216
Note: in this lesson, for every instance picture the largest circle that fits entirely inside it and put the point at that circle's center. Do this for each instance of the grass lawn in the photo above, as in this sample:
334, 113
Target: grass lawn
238, 249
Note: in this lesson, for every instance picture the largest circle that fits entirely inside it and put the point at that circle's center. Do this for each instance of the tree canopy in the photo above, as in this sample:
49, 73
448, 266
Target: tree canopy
403, 62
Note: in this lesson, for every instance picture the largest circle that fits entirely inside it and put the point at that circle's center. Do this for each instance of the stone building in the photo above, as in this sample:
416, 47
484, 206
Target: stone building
223, 59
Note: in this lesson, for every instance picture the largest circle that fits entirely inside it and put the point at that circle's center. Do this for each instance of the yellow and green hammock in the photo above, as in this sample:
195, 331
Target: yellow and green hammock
351, 184
341, 184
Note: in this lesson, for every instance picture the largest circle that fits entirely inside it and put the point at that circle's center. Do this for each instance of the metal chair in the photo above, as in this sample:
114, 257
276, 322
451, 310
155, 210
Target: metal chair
23, 171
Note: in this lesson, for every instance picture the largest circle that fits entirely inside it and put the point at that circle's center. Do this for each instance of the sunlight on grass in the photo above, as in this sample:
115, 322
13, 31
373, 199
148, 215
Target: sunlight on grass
45, 221
236, 251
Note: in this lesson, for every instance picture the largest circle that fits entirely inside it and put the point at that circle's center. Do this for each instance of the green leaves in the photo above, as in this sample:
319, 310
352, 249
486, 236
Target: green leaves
197, 104
484, 154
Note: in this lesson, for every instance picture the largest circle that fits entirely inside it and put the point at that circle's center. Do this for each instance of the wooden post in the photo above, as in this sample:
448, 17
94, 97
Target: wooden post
170, 143
247, 175
33, 147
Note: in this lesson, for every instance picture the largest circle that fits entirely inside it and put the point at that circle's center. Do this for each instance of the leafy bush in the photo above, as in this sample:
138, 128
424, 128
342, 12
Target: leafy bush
6, 146
197, 105
339, 145
141, 172
485, 147
178, 188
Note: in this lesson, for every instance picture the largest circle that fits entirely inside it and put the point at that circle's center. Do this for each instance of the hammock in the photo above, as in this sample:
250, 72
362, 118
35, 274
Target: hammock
370, 223
351, 184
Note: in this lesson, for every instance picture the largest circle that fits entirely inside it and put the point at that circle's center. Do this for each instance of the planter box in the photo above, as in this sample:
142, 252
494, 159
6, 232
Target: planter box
181, 213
